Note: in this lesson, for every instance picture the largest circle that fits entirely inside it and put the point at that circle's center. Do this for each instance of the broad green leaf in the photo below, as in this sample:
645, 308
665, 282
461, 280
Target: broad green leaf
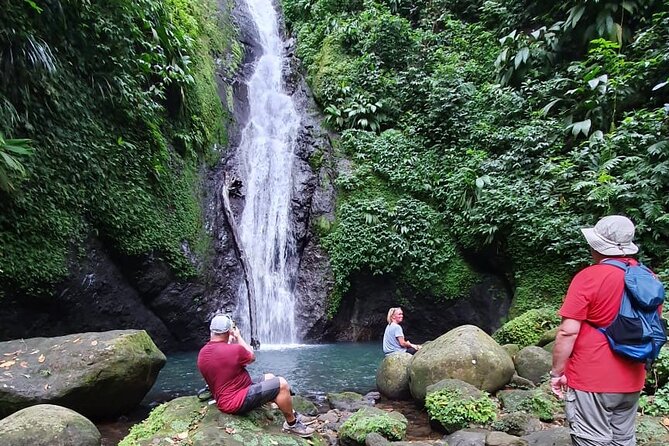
547, 107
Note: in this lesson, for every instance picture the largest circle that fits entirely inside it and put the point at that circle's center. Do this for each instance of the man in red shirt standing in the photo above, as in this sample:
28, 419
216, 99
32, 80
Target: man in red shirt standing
602, 388
222, 362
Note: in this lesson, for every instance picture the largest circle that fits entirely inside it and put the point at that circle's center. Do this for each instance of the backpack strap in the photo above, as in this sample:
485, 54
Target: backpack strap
617, 263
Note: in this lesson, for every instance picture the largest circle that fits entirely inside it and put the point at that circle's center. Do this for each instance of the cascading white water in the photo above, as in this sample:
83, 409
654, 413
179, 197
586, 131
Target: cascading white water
266, 162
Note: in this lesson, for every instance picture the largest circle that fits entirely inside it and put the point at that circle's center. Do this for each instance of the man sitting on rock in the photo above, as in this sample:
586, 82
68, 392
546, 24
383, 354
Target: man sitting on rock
222, 363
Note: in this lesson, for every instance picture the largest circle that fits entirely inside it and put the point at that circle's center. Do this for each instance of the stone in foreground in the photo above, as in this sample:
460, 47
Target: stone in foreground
48, 425
99, 375
466, 353
199, 424
392, 377
354, 431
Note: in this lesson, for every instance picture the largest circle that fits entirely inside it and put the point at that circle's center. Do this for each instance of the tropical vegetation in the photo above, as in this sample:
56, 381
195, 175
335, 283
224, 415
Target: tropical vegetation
107, 111
489, 130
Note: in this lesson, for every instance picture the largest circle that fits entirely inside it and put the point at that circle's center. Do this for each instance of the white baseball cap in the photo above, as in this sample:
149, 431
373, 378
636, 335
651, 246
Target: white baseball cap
612, 236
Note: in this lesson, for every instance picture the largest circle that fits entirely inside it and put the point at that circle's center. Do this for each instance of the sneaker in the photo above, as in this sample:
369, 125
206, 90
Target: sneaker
298, 428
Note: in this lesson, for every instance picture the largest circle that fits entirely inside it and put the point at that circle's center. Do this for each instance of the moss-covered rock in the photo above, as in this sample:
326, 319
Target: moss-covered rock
186, 420
527, 328
99, 375
392, 425
392, 377
455, 404
466, 353
48, 425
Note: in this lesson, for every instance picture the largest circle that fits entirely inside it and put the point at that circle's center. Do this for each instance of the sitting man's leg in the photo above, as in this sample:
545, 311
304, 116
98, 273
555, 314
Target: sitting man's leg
272, 388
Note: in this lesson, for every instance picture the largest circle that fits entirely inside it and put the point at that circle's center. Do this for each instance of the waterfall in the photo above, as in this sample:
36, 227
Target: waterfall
265, 161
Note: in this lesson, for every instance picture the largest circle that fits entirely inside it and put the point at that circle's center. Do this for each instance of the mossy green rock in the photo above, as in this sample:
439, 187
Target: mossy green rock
200, 424
528, 328
466, 353
48, 425
391, 425
304, 406
392, 377
99, 375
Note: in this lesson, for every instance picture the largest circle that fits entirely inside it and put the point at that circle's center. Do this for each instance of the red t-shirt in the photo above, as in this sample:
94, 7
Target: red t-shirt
594, 297
222, 367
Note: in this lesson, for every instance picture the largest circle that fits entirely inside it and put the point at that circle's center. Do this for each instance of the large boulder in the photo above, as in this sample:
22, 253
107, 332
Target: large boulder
466, 353
392, 377
200, 424
48, 425
533, 363
99, 375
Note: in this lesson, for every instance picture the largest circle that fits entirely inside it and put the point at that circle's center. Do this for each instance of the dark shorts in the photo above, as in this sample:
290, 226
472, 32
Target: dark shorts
260, 392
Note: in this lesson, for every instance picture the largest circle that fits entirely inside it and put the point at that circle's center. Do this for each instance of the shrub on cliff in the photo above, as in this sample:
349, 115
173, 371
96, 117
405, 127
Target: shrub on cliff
527, 328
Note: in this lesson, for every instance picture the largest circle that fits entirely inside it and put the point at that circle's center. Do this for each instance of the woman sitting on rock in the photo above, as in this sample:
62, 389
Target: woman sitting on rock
393, 337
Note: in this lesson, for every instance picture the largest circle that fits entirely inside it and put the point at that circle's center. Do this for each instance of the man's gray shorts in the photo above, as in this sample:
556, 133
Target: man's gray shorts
601, 419
260, 392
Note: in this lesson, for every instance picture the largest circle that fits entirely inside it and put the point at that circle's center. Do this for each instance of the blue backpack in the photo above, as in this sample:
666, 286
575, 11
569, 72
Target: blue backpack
638, 332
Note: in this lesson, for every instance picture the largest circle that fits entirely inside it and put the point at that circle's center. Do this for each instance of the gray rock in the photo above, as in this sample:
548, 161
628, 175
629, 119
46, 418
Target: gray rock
465, 389
558, 436
517, 423
466, 353
392, 377
512, 400
512, 349
521, 383
549, 347
48, 425
533, 363
99, 375
348, 401
503, 439
375, 439
467, 437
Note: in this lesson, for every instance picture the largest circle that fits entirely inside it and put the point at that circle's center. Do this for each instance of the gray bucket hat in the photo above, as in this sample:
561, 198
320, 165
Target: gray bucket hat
612, 236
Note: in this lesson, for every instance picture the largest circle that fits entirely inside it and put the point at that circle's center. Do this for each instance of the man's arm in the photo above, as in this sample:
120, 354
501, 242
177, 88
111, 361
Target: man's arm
236, 338
564, 344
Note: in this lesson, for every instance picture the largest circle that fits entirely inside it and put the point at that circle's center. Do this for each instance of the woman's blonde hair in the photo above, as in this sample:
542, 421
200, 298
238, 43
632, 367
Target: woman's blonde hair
391, 313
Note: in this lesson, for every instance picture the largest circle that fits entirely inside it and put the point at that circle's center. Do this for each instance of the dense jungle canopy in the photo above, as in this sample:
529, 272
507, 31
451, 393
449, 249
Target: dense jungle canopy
482, 130
491, 128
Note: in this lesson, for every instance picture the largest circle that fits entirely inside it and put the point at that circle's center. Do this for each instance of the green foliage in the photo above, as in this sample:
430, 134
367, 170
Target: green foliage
541, 405
657, 404
11, 150
658, 375
527, 328
511, 154
455, 411
147, 428
538, 286
361, 423
122, 118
